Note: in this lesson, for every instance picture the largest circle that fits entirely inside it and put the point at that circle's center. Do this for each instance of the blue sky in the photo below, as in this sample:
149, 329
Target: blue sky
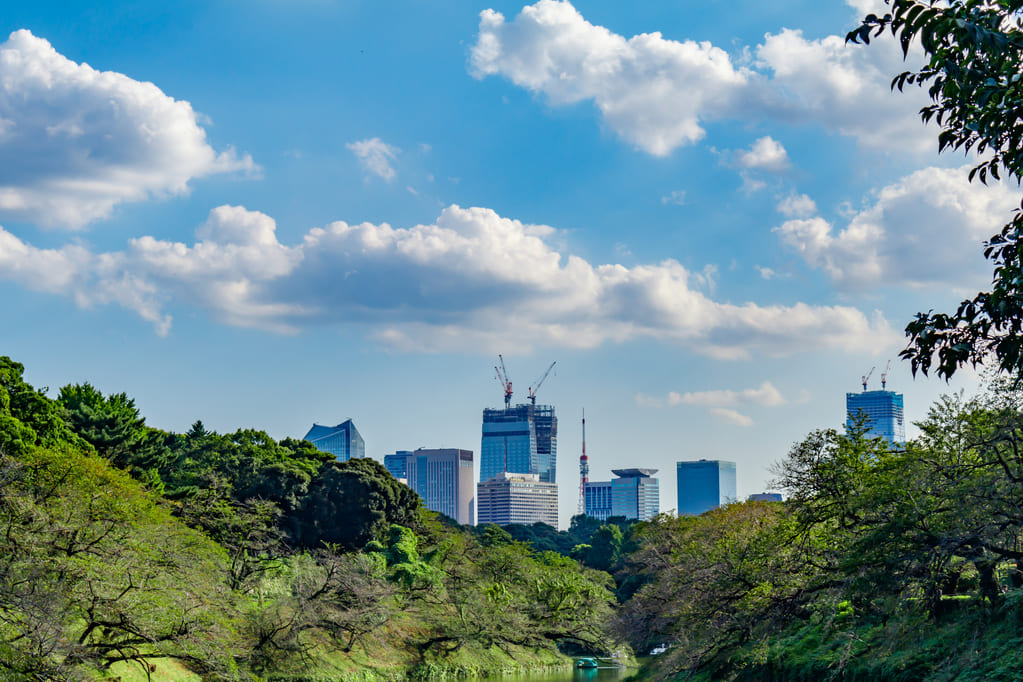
715, 218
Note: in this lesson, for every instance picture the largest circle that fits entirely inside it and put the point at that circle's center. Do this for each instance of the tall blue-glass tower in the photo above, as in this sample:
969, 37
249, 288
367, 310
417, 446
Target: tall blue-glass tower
884, 413
343, 441
704, 485
522, 439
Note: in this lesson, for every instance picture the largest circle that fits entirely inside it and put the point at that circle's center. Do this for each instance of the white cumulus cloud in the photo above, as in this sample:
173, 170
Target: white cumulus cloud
765, 395
766, 154
926, 229
658, 94
76, 142
797, 206
470, 280
721, 403
654, 92
732, 416
375, 155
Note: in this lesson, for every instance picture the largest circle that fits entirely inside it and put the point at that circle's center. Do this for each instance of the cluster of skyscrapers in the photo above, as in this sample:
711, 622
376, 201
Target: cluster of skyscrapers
518, 467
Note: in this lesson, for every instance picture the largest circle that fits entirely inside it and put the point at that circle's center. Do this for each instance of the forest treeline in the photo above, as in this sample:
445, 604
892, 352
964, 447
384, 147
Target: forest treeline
882, 564
236, 556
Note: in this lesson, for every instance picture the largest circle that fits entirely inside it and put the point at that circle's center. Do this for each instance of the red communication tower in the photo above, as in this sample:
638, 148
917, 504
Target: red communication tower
584, 470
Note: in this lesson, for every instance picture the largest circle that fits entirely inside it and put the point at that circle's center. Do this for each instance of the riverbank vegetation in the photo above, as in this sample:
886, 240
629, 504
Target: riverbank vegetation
129, 551
235, 556
882, 564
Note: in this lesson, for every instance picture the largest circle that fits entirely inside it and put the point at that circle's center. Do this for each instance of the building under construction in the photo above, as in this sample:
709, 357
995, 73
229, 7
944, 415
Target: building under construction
521, 439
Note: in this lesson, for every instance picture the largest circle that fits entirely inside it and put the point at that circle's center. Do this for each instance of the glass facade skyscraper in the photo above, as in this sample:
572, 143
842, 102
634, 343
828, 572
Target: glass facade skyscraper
704, 485
884, 413
635, 494
597, 504
343, 441
398, 465
522, 439
520, 442
442, 477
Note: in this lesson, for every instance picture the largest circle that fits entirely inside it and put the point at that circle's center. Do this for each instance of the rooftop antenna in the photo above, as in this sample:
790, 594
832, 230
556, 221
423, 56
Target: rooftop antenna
863, 379
506, 384
536, 384
884, 375
584, 469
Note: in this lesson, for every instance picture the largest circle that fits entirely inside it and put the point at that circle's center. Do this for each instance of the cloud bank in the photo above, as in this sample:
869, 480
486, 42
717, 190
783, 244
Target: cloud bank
925, 230
76, 142
658, 93
722, 404
471, 280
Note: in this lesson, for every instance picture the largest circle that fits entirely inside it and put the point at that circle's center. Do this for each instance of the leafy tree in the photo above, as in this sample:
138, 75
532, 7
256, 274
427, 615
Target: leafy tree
974, 57
718, 582
96, 573
27, 416
110, 424
605, 548
350, 503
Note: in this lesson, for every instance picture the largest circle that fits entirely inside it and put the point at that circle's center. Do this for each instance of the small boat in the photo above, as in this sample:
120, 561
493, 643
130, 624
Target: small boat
586, 663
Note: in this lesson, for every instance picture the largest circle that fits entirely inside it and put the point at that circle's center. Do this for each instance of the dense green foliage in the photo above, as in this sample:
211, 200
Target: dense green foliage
242, 557
974, 58
877, 566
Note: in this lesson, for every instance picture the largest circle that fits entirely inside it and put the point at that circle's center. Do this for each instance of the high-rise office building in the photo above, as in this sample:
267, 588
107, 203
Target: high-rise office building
704, 485
442, 477
546, 442
883, 411
516, 498
635, 494
520, 439
343, 441
597, 503
398, 465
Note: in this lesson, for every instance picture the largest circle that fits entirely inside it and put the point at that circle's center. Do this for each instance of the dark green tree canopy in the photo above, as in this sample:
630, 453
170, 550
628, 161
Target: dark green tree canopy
974, 76
350, 503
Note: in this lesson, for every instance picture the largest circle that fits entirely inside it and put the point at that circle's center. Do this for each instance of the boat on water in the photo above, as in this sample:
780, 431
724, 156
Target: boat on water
586, 662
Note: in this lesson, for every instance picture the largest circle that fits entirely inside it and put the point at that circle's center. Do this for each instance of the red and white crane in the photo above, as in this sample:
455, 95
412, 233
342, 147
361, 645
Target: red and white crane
506, 384
863, 379
884, 375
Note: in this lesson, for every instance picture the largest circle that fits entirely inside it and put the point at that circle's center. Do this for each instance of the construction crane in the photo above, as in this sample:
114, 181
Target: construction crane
884, 375
863, 379
506, 384
536, 384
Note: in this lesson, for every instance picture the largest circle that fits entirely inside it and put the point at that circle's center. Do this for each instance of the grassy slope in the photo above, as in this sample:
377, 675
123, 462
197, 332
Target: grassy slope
972, 645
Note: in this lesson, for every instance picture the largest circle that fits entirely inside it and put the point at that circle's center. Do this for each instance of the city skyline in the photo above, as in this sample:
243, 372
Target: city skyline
710, 216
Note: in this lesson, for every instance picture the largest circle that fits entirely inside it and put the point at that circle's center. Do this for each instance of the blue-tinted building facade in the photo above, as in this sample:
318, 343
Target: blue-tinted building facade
522, 439
635, 494
764, 497
398, 465
884, 413
442, 477
597, 500
343, 441
704, 485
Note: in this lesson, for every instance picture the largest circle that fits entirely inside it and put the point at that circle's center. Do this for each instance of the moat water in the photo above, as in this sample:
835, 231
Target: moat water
606, 673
